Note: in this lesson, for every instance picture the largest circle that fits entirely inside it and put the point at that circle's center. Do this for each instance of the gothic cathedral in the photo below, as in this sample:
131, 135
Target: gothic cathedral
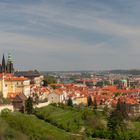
7, 67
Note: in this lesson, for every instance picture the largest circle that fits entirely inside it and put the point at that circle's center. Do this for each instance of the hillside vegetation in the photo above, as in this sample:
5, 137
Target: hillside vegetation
81, 121
89, 122
62, 122
15, 126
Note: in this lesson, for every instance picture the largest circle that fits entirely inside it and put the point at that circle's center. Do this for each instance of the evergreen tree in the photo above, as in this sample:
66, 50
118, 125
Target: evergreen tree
70, 103
124, 110
89, 101
95, 104
122, 107
29, 106
118, 107
116, 123
36, 98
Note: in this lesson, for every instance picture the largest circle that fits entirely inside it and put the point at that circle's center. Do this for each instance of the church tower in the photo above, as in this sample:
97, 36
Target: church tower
10, 68
7, 67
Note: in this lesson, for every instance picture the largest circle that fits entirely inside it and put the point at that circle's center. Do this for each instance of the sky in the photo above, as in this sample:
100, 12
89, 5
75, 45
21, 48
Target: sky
55, 35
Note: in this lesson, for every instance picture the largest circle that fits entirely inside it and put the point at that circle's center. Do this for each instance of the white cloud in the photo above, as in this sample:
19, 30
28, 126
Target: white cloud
30, 27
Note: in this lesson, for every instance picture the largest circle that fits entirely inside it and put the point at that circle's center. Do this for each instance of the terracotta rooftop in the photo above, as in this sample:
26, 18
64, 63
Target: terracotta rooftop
16, 79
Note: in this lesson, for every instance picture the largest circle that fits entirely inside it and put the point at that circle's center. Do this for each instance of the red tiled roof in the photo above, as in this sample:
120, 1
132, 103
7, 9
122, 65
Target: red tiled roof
16, 79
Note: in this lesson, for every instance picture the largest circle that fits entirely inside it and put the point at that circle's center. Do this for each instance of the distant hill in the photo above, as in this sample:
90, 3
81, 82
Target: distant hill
131, 72
128, 72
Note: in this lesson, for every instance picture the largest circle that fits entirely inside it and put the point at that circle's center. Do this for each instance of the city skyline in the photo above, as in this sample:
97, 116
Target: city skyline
71, 34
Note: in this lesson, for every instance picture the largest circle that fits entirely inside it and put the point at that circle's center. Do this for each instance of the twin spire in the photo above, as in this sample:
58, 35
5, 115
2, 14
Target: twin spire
7, 67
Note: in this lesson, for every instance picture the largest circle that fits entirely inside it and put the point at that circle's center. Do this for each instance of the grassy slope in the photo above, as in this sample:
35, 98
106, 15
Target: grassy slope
63, 118
34, 128
16, 125
8, 133
73, 120
69, 119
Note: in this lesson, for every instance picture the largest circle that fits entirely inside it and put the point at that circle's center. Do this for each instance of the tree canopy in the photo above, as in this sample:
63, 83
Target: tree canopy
29, 106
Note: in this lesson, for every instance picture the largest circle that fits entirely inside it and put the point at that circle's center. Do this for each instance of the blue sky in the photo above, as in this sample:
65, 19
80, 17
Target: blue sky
71, 34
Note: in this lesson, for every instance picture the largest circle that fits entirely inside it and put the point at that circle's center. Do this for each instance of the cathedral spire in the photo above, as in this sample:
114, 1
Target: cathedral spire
3, 64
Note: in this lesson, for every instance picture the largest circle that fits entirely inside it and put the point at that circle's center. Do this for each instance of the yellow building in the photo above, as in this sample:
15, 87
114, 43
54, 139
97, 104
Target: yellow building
80, 100
11, 86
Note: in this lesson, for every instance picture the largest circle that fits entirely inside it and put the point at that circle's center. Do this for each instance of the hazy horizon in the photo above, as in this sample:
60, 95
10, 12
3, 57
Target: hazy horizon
66, 35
